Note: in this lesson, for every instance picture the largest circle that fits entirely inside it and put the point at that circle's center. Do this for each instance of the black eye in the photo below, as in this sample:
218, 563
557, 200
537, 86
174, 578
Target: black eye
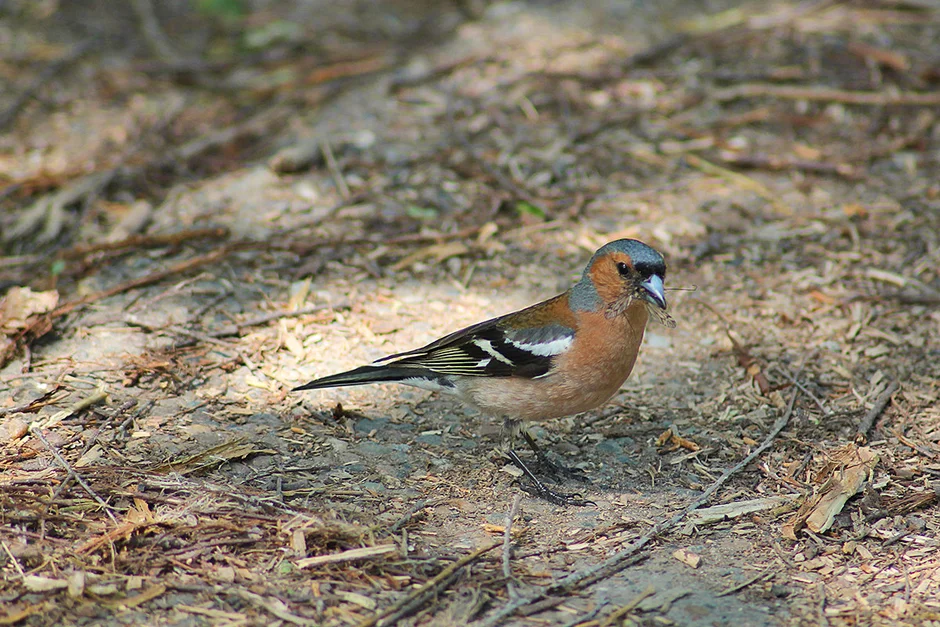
623, 269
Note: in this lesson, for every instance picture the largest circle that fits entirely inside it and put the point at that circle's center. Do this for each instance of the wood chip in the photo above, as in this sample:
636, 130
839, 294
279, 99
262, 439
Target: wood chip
842, 478
688, 558
728, 511
352, 555
36, 583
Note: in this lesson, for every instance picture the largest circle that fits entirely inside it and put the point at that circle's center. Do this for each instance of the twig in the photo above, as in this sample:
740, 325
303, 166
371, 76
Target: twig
764, 574
335, 170
628, 556
783, 556
147, 279
152, 33
351, 555
16, 563
736, 178
804, 390
9, 114
584, 618
507, 543
146, 241
276, 607
868, 420
821, 590
775, 163
409, 515
826, 94
35, 430
391, 614
621, 612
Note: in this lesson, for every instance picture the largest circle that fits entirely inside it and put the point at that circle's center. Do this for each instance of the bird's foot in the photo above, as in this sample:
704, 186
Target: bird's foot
537, 488
555, 470
559, 471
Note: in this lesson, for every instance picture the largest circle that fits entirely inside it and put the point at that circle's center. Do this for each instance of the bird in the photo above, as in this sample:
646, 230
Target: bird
560, 357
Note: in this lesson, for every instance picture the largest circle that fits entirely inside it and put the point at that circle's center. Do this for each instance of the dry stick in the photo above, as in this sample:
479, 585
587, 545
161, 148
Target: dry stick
238, 246
736, 178
152, 33
804, 390
620, 613
773, 163
147, 279
507, 541
335, 170
621, 560
34, 429
825, 94
395, 611
15, 562
744, 584
409, 515
868, 421
146, 241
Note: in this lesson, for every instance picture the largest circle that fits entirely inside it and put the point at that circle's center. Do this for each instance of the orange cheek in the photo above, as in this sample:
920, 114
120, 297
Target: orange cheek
607, 281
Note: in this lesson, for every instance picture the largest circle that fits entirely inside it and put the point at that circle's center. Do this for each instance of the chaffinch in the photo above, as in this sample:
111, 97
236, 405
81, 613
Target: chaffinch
560, 357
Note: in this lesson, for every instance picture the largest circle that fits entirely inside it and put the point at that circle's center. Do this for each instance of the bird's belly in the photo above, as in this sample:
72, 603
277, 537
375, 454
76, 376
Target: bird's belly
540, 399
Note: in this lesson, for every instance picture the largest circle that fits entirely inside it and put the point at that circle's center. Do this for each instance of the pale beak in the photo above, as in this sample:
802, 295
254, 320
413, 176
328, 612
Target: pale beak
654, 291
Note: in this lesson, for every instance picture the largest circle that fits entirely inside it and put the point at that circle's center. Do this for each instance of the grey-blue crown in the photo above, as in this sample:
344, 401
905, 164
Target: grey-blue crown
645, 259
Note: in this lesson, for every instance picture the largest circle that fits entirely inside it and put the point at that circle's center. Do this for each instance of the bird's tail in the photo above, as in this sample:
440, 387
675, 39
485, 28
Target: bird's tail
362, 376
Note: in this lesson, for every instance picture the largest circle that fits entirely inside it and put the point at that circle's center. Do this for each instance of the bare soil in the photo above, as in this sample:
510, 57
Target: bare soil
209, 209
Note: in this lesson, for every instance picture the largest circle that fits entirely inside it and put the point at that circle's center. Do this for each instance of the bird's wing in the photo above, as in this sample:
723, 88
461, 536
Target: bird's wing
493, 348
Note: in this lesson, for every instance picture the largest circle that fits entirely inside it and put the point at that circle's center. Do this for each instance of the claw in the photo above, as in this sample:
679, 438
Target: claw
537, 488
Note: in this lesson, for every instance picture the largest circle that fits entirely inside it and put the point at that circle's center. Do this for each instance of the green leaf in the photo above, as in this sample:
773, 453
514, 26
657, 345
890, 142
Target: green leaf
421, 213
272, 33
58, 267
528, 208
230, 9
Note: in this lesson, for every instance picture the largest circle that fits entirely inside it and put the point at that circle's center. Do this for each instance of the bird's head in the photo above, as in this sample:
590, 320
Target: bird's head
626, 271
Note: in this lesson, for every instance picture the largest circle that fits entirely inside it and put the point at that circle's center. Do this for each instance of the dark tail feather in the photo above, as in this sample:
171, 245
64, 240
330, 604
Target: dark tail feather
361, 376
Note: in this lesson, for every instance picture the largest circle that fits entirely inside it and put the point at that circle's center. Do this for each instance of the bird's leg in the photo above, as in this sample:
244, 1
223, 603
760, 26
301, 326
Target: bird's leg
556, 470
511, 428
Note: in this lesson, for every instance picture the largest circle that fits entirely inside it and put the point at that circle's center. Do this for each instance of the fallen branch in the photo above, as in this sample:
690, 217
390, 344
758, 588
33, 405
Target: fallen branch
826, 94
868, 420
146, 241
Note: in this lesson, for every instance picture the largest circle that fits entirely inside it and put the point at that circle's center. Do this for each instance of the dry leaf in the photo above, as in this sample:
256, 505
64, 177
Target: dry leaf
20, 303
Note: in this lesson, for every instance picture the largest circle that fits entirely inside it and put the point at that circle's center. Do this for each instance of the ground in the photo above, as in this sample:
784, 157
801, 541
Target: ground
207, 204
